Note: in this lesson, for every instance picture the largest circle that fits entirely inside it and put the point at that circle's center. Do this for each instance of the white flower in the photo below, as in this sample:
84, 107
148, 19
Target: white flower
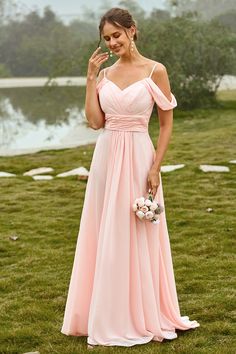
148, 202
141, 201
153, 206
134, 207
149, 215
140, 214
144, 208
156, 216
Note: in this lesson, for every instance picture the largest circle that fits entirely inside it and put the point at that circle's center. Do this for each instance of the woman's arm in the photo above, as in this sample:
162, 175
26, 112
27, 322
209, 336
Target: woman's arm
93, 111
160, 77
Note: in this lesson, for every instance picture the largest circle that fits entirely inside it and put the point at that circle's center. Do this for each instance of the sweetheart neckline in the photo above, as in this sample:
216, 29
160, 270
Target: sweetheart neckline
138, 81
135, 82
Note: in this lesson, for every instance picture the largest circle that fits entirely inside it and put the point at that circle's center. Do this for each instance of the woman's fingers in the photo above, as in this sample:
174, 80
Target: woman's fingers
154, 191
95, 52
153, 187
96, 60
97, 55
101, 60
100, 57
97, 63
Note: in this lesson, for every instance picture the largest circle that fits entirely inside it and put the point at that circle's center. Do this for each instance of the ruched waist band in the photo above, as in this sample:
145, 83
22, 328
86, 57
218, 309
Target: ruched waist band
130, 123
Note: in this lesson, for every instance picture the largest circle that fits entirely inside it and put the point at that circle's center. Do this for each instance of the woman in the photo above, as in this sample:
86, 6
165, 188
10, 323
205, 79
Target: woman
122, 289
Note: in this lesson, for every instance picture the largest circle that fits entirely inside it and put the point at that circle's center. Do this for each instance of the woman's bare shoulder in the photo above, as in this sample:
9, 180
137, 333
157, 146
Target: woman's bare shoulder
161, 79
153, 66
159, 67
102, 73
158, 70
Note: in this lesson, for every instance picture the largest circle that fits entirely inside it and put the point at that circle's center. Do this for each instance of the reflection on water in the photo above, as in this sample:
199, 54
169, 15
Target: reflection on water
36, 119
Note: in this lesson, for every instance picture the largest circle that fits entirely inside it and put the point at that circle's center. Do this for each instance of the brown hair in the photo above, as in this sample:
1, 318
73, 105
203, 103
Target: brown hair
119, 18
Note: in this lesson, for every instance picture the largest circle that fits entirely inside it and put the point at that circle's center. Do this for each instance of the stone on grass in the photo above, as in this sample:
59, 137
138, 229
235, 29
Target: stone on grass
169, 168
81, 172
232, 161
38, 171
213, 168
209, 210
32, 353
42, 177
13, 237
7, 174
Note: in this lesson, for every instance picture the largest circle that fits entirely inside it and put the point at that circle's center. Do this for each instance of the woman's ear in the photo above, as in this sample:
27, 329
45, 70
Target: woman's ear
133, 31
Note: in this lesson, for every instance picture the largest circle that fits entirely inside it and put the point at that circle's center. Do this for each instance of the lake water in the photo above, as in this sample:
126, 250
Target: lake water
48, 117
33, 119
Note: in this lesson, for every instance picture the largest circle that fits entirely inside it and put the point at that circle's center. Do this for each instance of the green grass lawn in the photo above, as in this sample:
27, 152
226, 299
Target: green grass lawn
45, 215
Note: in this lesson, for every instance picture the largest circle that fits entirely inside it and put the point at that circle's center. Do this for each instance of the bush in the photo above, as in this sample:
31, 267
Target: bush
4, 71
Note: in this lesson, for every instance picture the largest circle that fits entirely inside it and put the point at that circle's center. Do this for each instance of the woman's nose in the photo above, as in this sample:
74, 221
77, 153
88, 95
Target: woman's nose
112, 42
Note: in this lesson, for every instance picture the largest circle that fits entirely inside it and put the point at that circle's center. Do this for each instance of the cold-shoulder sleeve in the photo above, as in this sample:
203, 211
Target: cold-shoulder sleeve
161, 100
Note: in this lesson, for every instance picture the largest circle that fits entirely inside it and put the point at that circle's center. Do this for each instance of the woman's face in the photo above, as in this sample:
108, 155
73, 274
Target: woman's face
116, 39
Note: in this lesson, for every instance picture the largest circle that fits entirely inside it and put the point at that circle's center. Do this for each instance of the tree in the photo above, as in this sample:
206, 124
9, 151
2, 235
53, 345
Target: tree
159, 15
134, 8
37, 45
207, 10
197, 54
82, 31
89, 15
104, 7
228, 19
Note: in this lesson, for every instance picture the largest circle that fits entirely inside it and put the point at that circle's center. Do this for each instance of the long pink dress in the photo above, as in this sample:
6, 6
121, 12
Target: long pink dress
122, 290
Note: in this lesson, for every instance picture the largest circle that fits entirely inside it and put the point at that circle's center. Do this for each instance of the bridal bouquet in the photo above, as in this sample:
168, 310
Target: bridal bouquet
147, 208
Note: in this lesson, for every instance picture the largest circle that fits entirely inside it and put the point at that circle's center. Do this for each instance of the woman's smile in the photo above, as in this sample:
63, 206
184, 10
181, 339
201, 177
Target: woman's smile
116, 49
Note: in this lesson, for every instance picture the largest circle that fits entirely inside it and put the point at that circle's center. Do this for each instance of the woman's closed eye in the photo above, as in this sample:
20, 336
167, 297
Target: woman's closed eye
115, 35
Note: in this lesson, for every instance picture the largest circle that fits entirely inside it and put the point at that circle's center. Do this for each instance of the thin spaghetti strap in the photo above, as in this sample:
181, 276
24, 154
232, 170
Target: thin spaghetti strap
153, 69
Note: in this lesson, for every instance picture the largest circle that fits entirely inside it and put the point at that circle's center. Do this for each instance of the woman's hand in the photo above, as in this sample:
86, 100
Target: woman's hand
95, 61
153, 181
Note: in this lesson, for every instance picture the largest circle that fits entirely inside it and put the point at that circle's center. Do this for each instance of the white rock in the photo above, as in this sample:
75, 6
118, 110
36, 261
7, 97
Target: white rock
232, 161
213, 168
38, 171
32, 353
209, 210
81, 171
6, 174
13, 237
169, 168
41, 177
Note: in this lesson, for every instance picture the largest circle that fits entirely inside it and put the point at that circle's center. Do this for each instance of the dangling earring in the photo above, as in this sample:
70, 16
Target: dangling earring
111, 55
132, 44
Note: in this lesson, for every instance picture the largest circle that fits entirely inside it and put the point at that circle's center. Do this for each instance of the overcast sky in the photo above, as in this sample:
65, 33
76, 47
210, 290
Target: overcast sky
69, 9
